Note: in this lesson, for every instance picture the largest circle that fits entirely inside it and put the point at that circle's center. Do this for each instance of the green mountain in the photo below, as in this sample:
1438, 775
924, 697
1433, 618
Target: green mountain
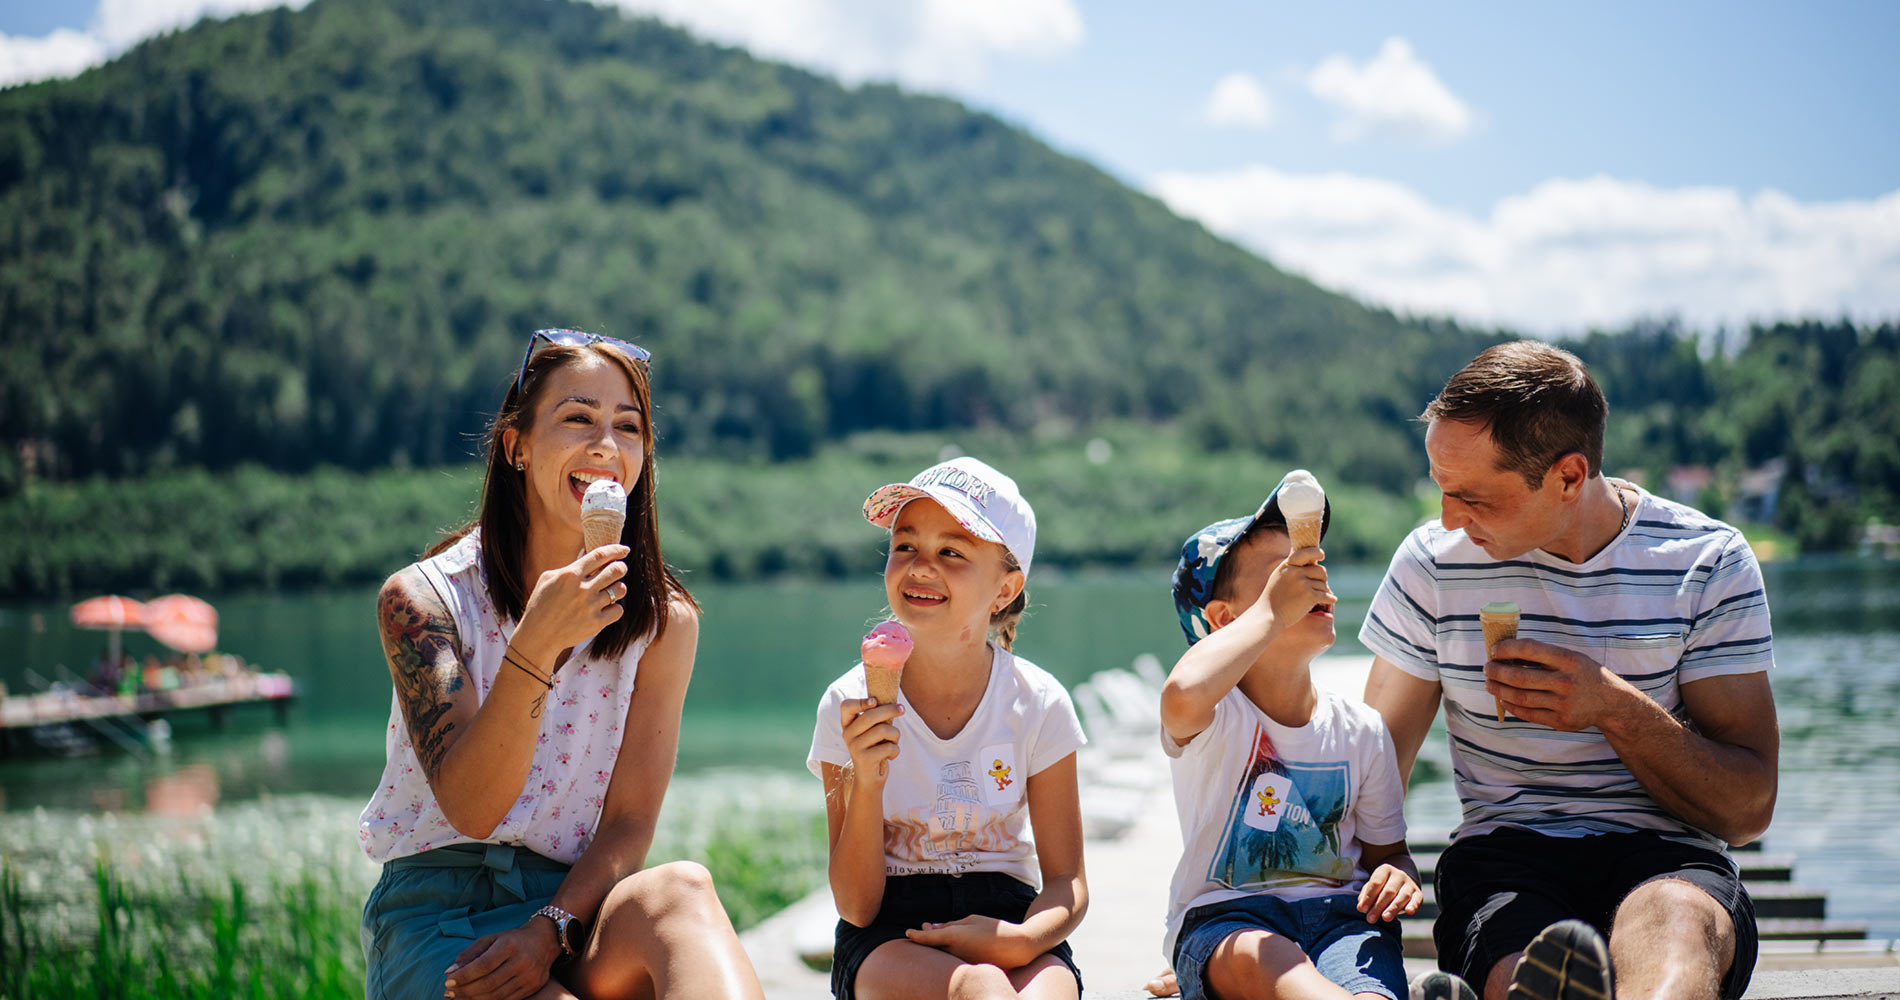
320, 238
314, 242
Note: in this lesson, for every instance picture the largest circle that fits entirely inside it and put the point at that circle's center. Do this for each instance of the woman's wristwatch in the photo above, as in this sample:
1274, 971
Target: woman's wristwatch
567, 930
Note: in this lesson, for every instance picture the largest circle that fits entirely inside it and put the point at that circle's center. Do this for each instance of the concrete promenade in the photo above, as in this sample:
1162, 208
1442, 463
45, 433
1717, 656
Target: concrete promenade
1133, 842
1119, 943
1118, 946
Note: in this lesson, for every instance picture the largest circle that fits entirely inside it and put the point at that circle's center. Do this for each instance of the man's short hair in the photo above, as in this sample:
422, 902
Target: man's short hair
1538, 401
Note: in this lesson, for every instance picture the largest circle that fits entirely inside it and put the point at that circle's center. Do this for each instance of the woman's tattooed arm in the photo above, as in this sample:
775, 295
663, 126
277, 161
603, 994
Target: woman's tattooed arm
426, 665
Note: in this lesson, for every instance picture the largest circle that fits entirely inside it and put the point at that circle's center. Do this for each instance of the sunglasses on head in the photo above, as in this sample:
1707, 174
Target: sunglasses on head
577, 338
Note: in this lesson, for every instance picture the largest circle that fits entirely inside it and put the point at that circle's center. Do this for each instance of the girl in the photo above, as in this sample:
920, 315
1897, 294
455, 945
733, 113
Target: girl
513, 820
930, 867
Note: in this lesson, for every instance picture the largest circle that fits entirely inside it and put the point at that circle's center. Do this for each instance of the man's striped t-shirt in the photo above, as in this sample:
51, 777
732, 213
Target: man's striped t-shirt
1675, 598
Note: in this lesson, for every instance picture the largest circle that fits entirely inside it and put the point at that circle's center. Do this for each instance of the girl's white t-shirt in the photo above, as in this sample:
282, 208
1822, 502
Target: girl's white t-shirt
958, 805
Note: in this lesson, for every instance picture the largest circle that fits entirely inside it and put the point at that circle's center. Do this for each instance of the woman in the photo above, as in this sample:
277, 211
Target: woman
513, 820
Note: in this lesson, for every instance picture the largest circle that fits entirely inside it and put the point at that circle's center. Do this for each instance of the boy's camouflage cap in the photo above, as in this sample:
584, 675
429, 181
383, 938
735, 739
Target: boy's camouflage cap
1202, 553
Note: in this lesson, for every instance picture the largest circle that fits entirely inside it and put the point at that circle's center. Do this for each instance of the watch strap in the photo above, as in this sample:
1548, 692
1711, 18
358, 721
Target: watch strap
563, 924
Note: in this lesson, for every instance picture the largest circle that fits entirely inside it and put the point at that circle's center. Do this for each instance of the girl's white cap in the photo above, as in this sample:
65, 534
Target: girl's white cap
983, 500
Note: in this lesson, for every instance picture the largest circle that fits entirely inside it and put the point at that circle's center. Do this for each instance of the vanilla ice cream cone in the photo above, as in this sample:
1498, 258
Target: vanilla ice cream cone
603, 513
1303, 503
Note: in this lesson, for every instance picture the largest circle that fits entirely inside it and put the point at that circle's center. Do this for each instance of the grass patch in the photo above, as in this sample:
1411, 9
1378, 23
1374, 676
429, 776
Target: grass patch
264, 899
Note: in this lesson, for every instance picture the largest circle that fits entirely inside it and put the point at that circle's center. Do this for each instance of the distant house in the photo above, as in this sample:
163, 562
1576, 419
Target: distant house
1687, 483
1881, 540
1758, 493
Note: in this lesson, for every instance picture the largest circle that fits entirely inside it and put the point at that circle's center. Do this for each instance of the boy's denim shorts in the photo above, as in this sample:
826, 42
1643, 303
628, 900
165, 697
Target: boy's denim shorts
1361, 957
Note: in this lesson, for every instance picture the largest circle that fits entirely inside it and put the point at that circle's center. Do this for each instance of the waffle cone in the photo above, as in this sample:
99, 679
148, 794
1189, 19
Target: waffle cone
1497, 628
1304, 531
601, 527
882, 683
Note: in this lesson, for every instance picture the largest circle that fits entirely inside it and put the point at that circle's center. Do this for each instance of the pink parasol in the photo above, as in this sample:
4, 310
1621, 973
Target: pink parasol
111, 613
182, 622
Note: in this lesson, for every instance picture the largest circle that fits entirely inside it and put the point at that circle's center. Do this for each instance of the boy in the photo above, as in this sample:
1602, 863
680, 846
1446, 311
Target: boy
1294, 866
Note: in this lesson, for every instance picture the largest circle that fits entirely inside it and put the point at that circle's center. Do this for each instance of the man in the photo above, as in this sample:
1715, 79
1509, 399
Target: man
1638, 735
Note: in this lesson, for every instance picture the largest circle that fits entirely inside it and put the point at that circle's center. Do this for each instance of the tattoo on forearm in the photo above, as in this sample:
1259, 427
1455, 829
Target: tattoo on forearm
421, 646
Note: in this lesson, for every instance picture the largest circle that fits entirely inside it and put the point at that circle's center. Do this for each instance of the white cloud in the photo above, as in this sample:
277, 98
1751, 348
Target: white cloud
1567, 255
1238, 101
930, 44
122, 24
116, 25
63, 53
1395, 95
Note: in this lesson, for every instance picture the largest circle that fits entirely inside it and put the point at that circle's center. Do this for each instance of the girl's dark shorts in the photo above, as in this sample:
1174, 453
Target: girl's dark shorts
910, 901
1497, 890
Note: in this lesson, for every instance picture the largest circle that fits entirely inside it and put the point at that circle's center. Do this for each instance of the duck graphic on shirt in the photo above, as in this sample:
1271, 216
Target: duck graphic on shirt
1283, 825
1267, 801
1000, 772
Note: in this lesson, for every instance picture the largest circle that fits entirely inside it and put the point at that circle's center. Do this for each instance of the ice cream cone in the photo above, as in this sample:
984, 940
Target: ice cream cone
884, 653
1302, 503
603, 512
1304, 531
1499, 621
601, 527
883, 682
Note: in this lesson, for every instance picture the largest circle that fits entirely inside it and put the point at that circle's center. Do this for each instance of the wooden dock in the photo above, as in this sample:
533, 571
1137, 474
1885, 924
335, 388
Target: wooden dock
1790, 919
23, 717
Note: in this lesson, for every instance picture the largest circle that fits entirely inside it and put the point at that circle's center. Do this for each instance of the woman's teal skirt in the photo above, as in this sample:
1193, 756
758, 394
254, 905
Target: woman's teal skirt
428, 907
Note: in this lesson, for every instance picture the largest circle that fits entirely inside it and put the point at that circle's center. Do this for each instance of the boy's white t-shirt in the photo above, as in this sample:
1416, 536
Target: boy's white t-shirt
958, 805
1270, 810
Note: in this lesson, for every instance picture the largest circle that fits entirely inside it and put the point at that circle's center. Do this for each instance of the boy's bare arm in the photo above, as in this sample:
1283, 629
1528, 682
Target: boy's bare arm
1392, 890
1397, 855
1211, 667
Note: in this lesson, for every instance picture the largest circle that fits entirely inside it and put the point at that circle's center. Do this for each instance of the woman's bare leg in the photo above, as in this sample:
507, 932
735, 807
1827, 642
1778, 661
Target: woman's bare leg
663, 934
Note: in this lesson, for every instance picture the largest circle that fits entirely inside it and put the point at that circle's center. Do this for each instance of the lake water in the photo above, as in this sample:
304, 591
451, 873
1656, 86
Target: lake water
768, 650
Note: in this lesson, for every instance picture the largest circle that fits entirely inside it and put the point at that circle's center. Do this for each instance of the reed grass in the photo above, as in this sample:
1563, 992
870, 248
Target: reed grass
264, 899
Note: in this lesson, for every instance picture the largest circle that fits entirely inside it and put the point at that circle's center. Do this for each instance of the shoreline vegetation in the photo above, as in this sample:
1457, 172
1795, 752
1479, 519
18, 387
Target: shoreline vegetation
1116, 496
265, 898
1113, 498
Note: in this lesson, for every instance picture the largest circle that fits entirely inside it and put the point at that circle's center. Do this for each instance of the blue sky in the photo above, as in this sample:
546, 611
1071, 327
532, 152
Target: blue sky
1803, 99
1547, 167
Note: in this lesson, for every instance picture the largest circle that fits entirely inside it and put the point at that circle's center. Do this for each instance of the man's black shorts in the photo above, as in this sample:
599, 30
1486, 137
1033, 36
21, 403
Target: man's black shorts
1497, 890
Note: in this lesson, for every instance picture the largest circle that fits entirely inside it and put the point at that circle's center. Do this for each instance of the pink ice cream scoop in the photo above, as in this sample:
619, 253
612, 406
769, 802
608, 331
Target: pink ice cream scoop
884, 652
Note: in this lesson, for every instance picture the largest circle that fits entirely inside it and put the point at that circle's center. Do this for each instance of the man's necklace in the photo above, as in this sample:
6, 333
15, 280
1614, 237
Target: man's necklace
1625, 501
